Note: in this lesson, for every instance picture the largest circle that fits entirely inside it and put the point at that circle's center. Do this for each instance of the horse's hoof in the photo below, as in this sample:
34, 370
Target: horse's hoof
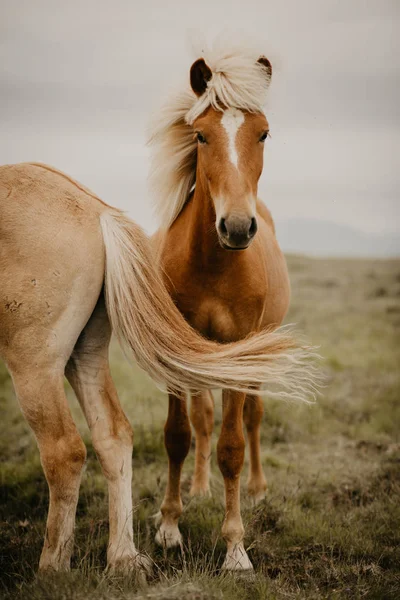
169, 536
138, 564
257, 497
257, 491
237, 561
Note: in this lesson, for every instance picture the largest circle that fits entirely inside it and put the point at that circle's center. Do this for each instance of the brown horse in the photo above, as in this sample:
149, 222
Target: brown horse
222, 264
60, 247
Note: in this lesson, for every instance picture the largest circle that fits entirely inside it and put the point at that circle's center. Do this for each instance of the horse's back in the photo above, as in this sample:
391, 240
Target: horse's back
51, 261
33, 186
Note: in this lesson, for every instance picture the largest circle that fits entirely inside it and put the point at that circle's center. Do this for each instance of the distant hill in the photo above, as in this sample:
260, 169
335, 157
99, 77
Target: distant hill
321, 238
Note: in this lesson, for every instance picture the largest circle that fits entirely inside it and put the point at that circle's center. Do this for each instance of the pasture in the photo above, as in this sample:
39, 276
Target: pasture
330, 525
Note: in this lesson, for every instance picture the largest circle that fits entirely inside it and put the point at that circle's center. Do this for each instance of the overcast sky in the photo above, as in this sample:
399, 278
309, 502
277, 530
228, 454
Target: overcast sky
79, 79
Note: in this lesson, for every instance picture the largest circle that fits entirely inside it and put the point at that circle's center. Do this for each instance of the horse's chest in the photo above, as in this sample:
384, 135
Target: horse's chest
218, 317
228, 303
217, 321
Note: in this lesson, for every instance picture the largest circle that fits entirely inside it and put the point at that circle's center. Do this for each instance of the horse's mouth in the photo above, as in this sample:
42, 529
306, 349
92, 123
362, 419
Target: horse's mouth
225, 246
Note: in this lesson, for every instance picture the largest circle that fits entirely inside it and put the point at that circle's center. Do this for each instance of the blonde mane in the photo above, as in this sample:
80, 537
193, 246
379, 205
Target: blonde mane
238, 81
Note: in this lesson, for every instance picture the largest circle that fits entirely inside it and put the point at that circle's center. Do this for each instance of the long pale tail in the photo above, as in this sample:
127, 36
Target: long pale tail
143, 316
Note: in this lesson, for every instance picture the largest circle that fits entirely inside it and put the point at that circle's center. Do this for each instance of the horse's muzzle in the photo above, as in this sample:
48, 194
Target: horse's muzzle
236, 233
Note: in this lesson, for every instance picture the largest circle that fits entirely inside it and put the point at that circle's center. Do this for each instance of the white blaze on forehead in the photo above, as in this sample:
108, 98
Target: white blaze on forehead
232, 119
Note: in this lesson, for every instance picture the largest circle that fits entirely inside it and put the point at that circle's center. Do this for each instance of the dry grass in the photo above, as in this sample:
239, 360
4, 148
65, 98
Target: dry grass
330, 527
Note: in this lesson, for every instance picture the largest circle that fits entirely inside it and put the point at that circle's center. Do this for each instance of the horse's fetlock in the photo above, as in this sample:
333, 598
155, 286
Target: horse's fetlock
172, 510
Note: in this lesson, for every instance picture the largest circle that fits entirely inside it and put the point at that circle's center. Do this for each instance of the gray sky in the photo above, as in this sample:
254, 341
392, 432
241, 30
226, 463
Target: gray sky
78, 81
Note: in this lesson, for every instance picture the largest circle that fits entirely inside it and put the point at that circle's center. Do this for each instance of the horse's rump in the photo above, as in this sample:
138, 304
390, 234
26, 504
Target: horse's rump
51, 261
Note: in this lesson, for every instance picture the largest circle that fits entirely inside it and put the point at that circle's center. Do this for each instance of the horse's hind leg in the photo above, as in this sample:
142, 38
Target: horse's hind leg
202, 418
40, 392
252, 415
89, 374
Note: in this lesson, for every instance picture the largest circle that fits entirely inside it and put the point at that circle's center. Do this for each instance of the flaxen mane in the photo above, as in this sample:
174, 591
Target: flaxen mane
237, 81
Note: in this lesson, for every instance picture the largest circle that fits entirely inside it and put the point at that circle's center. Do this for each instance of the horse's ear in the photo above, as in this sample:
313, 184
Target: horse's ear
200, 75
263, 60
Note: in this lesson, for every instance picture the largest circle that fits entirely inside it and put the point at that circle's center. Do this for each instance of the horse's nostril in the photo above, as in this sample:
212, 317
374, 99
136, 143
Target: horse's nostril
253, 227
222, 228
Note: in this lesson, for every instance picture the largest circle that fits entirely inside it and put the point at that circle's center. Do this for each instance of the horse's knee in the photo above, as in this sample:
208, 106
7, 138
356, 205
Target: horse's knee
63, 460
230, 454
177, 438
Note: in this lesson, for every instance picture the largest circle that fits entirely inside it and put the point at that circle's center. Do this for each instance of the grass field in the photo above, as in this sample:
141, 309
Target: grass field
330, 526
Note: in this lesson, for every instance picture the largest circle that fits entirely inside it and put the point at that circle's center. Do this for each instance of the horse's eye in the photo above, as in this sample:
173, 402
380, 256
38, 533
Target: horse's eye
264, 136
200, 138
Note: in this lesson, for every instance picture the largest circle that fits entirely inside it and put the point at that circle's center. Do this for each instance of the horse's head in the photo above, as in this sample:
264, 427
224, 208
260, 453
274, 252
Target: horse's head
230, 160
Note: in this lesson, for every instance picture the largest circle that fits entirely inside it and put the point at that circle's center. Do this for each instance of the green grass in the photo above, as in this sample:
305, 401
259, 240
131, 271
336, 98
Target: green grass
330, 526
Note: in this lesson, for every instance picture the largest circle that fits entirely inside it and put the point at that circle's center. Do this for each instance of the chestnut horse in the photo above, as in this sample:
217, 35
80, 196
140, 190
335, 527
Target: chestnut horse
61, 248
222, 263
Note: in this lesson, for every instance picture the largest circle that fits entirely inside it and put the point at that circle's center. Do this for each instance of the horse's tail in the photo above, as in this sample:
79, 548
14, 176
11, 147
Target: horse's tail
143, 316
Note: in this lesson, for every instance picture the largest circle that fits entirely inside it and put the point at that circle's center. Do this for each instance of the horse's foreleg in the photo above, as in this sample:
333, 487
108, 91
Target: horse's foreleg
253, 413
202, 418
62, 453
230, 452
177, 437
